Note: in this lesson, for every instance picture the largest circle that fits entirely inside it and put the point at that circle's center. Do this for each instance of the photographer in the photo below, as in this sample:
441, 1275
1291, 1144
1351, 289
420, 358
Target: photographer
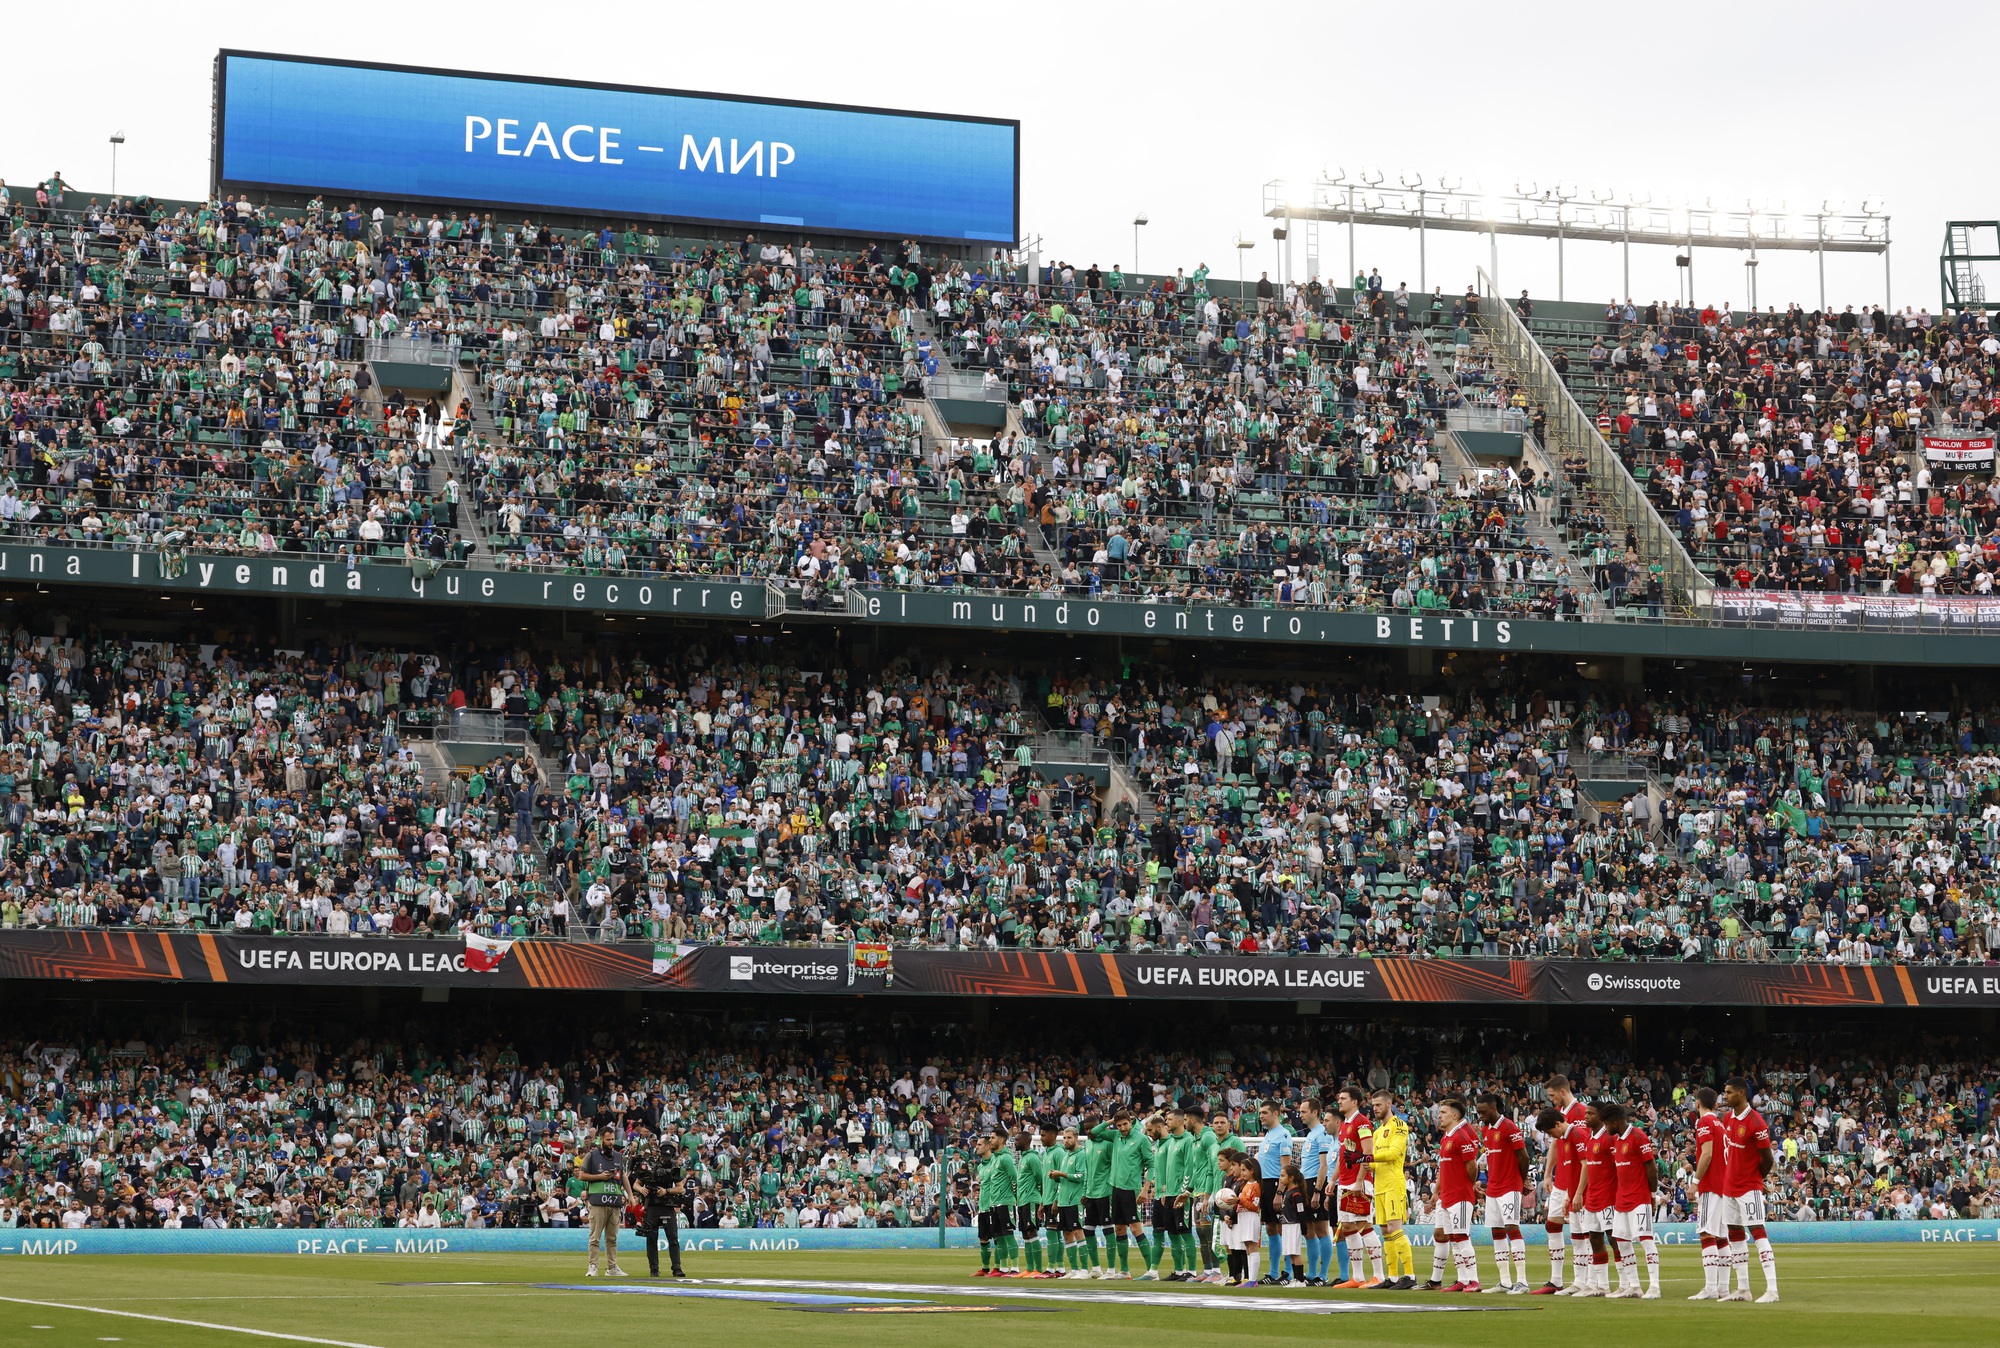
660, 1181
603, 1176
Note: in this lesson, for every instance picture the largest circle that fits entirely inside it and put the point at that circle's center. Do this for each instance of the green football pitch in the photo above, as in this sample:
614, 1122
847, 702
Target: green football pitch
1833, 1295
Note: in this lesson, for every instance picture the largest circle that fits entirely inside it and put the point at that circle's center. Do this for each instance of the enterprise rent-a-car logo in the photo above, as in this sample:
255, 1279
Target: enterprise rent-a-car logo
1626, 983
745, 968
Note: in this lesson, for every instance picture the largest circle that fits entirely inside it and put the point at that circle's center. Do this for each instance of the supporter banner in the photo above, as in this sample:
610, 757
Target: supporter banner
635, 966
1805, 634
1937, 614
197, 573
329, 1243
1959, 452
389, 1242
1750, 625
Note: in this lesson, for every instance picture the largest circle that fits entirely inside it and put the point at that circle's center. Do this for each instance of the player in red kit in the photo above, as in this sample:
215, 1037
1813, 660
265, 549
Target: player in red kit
1561, 1171
1458, 1182
1746, 1163
1711, 1220
1591, 1206
1354, 1180
1636, 1176
1565, 1163
1506, 1184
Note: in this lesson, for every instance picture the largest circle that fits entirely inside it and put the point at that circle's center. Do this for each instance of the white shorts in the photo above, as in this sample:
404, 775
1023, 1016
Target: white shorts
1558, 1208
1341, 1216
1455, 1220
1503, 1209
1712, 1216
1249, 1228
1745, 1209
1291, 1240
1589, 1221
1634, 1225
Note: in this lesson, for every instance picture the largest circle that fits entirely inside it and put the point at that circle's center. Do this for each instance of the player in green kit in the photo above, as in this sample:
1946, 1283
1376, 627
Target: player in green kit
1226, 1139
1069, 1167
1030, 1173
1053, 1232
996, 1188
1173, 1229
1131, 1160
1204, 1178
1097, 1204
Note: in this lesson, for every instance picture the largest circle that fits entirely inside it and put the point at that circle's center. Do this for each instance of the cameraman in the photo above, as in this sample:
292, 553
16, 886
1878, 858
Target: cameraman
661, 1183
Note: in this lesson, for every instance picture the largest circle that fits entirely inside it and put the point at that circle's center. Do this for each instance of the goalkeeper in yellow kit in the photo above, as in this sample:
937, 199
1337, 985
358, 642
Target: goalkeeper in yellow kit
1392, 1193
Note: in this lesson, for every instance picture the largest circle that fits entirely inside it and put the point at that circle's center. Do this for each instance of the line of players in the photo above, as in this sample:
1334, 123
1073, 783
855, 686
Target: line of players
1174, 1183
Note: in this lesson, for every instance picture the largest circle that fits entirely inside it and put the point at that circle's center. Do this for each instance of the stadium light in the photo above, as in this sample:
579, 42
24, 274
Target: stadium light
117, 139
1534, 209
1137, 220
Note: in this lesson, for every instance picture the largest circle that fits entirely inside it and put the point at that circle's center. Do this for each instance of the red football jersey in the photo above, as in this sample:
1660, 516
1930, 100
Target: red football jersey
1599, 1189
1574, 1114
1747, 1138
1457, 1147
1708, 1130
1354, 1131
1630, 1151
1571, 1143
1503, 1167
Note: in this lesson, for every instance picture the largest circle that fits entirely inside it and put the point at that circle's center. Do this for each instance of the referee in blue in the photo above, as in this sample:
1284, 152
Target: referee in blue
1272, 1153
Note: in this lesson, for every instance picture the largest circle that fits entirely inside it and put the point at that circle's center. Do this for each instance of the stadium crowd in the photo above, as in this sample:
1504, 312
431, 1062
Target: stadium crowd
195, 378
1785, 447
757, 798
810, 1129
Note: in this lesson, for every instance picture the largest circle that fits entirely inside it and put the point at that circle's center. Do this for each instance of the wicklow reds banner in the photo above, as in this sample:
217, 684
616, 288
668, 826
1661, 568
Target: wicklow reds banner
332, 961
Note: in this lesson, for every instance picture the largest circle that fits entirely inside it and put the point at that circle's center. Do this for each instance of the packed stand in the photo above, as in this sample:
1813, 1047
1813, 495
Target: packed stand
1785, 447
748, 799
828, 1129
196, 378
201, 788
193, 380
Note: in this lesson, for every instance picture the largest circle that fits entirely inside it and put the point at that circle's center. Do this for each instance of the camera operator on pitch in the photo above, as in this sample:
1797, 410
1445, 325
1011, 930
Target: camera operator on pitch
660, 1181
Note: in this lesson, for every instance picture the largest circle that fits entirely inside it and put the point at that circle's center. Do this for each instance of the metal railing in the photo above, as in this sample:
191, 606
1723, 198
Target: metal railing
1569, 425
486, 727
1079, 747
412, 351
1513, 420
964, 386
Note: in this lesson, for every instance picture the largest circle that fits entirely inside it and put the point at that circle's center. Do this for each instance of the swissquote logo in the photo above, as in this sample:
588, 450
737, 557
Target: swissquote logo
1629, 983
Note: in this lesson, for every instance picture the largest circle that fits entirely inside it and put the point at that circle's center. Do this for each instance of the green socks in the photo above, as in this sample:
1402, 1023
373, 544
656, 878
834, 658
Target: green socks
986, 1254
1090, 1249
1054, 1243
1123, 1244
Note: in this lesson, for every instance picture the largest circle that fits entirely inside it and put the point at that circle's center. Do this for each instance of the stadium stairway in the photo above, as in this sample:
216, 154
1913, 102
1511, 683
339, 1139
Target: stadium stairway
432, 759
1522, 349
470, 526
445, 462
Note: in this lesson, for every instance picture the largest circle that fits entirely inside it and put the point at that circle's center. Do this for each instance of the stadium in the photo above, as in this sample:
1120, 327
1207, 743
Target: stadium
634, 711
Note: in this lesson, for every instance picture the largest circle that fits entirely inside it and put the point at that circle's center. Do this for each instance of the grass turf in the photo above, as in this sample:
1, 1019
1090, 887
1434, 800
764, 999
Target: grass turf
1833, 1296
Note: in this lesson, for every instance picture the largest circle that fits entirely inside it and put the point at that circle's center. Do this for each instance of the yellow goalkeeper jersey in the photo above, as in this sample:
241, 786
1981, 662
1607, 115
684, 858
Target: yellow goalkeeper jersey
1392, 1144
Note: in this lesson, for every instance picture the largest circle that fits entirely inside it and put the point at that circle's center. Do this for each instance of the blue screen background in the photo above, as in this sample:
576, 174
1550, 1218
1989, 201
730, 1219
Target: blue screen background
344, 129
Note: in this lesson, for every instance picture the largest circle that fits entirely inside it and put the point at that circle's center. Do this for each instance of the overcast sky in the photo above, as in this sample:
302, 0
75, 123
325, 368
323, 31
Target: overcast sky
1183, 115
